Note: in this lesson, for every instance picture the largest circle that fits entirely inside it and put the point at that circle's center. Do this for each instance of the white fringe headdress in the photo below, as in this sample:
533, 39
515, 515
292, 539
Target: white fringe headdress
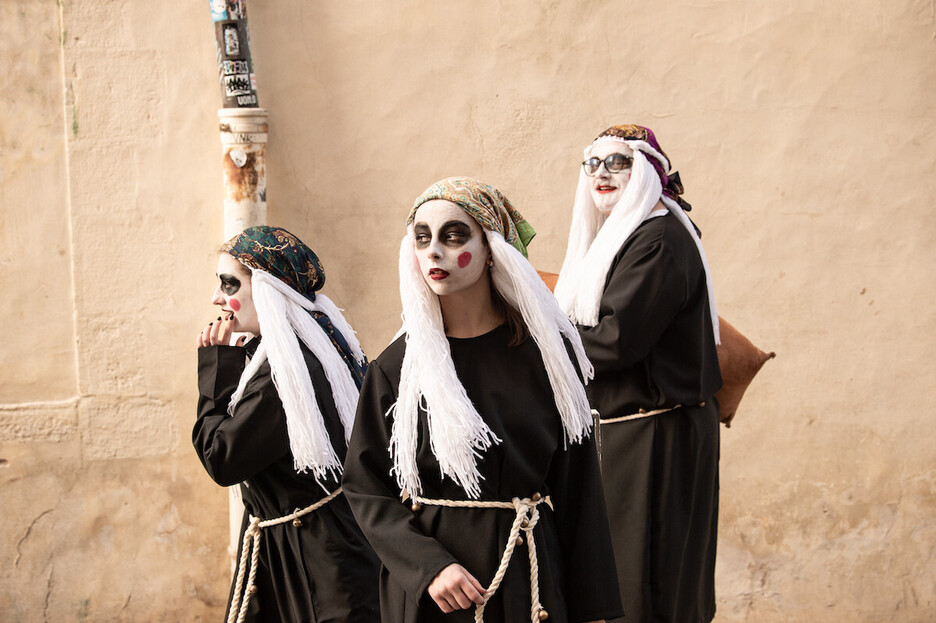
458, 434
594, 239
285, 318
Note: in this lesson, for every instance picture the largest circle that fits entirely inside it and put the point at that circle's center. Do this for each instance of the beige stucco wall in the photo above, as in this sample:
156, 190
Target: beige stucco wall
804, 133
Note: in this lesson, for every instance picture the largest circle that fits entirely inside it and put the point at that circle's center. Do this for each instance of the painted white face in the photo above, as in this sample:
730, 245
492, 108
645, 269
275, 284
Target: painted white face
234, 295
606, 188
450, 247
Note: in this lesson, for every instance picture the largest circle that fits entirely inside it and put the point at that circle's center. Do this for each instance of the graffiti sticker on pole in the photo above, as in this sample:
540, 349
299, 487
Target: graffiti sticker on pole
235, 66
218, 10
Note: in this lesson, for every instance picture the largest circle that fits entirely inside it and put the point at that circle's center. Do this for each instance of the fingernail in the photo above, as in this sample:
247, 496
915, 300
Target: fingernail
219, 317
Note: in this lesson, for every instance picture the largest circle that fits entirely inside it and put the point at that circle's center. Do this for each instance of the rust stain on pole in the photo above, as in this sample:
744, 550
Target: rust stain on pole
242, 181
243, 138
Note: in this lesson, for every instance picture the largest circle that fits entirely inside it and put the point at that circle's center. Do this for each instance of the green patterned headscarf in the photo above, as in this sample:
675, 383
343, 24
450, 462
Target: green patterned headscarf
485, 204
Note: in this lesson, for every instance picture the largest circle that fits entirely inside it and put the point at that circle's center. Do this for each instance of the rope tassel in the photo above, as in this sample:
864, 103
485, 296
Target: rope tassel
526, 519
251, 548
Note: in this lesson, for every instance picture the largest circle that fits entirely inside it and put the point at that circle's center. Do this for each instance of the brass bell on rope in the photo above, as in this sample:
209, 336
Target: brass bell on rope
519, 540
524, 524
297, 522
543, 615
416, 507
252, 589
536, 497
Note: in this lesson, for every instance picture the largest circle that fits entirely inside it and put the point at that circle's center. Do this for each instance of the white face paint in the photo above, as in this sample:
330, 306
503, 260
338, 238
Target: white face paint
234, 295
606, 188
450, 247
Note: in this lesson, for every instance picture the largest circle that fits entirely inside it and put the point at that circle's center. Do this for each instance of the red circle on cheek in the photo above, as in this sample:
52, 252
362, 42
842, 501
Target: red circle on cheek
464, 259
235, 305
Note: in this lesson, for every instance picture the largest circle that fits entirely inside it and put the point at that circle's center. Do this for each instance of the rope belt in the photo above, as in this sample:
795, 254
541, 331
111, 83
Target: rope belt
642, 413
252, 541
526, 519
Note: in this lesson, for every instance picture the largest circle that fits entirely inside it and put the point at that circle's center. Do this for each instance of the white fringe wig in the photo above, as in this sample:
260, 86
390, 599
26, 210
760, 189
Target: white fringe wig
458, 434
594, 239
285, 318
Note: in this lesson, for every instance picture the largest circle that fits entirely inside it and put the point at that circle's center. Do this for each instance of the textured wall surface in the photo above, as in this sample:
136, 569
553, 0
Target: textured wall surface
109, 188
804, 134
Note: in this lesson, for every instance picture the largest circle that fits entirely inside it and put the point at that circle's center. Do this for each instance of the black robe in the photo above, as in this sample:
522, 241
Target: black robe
510, 389
322, 571
654, 348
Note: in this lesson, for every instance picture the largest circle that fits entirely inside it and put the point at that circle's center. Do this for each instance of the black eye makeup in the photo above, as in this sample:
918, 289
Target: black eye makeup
229, 284
455, 233
452, 234
422, 235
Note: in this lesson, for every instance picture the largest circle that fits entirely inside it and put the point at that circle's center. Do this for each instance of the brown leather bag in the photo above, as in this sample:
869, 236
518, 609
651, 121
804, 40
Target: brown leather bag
738, 359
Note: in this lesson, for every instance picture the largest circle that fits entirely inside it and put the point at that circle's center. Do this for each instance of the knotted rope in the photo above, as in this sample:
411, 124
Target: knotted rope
526, 519
251, 548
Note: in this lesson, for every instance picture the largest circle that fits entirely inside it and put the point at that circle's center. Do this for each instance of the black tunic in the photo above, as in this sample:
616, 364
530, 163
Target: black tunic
510, 389
322, 571
654, 348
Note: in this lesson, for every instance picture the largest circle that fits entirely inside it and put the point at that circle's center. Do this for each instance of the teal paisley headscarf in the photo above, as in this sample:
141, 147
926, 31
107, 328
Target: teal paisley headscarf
286, 257
485, 204
281, 254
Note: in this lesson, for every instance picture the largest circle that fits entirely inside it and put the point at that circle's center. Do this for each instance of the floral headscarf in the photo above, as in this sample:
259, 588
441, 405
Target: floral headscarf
281, 254
485, 204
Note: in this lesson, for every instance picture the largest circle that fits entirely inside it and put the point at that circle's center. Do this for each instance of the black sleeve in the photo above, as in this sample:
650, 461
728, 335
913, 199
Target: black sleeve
412, 558
645, 292
233, 449
584, 535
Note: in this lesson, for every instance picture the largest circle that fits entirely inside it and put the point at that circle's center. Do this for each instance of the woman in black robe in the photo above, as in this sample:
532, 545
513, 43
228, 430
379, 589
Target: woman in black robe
636, 281
284, 442
470, 469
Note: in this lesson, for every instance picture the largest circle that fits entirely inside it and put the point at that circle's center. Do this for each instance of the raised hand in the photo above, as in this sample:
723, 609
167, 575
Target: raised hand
218, 333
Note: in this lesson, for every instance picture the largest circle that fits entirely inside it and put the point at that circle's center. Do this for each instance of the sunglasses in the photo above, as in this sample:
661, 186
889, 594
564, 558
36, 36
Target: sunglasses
614, 163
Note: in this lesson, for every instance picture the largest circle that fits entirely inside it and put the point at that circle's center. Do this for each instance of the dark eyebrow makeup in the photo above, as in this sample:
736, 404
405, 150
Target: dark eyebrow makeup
459, 226
455, 234
462, 226
229, 284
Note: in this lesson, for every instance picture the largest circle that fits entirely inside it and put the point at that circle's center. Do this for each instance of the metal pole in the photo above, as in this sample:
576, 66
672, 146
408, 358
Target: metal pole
243, 129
